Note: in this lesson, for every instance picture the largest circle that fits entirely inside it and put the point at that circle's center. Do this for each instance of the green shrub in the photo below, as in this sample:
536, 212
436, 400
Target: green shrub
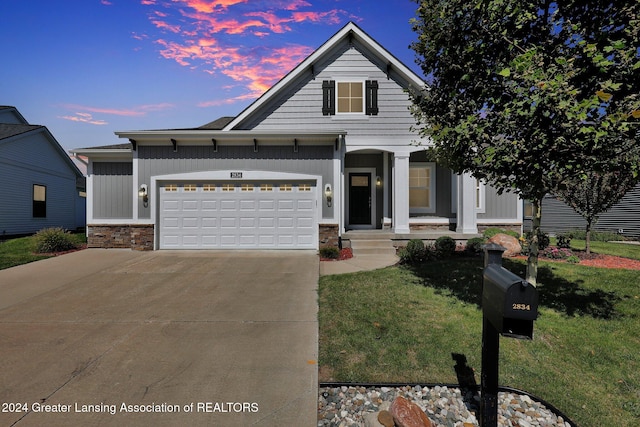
445, 246
492, 231
573, 259
543, 240
474, 245
53, 240
563, 241
596, 236
415, 251
329, 252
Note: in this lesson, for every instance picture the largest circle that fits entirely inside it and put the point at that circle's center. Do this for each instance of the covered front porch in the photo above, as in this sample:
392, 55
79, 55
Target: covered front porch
401, 192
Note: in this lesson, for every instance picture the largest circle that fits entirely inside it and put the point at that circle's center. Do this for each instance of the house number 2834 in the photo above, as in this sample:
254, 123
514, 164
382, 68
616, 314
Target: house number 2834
522, 307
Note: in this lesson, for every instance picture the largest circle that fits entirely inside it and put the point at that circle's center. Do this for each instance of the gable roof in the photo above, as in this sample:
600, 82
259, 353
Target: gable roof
351, 30
15, 112
7, 130
11, 130
217, 124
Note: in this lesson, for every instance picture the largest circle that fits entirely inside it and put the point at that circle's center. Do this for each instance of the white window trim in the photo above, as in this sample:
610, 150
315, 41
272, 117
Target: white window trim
480, 204
432, 188
481, 193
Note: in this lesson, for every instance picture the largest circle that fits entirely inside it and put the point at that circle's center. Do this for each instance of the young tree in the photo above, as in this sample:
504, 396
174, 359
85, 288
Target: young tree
524, 94
596, 193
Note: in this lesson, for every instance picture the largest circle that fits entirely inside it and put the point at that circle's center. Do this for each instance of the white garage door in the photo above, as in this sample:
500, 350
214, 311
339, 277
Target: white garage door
238, 215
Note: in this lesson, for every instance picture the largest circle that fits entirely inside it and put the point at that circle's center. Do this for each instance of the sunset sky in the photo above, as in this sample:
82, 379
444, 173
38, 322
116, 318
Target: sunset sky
87, 68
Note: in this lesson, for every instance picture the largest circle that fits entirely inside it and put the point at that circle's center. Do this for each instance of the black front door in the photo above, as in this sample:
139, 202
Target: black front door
360, 199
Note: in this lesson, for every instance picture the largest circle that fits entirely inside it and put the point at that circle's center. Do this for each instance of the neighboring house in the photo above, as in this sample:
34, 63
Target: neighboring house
623, 218
327, 149
40, 183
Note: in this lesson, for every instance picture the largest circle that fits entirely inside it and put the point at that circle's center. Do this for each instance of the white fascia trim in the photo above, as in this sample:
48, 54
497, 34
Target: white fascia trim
362, 37
247, 175
206, 135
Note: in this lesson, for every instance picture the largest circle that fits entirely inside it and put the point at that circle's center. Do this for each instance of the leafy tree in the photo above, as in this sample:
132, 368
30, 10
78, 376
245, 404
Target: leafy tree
527, 94
594, 194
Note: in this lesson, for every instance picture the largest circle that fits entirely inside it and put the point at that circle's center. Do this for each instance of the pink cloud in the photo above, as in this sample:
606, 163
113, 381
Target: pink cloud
84, 118
138, 111
232, 37
209, 6
331, 16
166, 26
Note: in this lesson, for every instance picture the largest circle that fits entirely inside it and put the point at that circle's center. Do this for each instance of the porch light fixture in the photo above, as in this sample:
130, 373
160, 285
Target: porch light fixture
329, 194
144, 194
378, 181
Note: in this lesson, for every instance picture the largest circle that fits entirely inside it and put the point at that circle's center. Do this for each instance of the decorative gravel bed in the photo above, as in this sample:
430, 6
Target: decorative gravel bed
351, 406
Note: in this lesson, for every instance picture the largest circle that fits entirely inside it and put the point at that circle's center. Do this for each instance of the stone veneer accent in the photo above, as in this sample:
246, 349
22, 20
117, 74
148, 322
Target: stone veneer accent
429, 227
329, 235
132, 236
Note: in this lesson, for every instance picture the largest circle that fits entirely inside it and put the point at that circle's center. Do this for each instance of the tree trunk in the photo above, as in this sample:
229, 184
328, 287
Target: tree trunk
532, 260
588, 237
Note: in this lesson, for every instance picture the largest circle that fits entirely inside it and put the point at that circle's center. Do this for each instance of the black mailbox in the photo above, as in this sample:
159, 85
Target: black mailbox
509, 302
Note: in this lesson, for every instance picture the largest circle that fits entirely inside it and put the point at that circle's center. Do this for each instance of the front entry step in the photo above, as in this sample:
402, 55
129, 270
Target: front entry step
372, 247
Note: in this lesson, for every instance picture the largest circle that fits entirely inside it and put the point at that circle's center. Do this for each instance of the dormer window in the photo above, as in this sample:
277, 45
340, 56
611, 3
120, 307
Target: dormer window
352, 97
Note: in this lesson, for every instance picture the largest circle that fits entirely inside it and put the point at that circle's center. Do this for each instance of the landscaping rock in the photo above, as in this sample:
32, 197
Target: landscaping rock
408, 414
509, 242
385, 418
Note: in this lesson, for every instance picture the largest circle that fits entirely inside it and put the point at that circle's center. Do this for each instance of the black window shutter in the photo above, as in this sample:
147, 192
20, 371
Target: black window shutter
328, 97
371, 92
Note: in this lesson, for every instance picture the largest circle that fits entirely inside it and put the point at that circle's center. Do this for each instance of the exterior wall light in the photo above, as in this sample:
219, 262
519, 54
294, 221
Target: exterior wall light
144, 194
328, 192
378, 181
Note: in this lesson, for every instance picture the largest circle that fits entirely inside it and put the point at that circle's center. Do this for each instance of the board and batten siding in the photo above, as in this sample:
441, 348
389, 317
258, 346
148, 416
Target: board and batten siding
558, 217
162, 160
33, 160
499, 206
301, 106
112, 190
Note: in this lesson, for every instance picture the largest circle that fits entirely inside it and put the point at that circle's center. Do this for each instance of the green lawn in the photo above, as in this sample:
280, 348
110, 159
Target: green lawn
402, 324
21, 250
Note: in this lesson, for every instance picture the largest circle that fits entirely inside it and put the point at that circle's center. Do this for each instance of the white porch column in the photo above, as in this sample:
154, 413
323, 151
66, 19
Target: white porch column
401, 193
467, 217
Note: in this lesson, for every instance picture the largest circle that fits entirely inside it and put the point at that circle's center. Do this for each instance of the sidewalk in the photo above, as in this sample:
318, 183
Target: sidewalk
357, 263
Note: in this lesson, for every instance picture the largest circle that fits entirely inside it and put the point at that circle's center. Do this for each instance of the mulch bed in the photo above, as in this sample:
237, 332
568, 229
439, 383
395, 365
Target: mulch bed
599, 260
345, 253
610, 261
52, 254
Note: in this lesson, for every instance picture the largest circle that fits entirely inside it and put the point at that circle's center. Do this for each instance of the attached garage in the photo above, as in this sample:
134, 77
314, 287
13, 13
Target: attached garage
253, 210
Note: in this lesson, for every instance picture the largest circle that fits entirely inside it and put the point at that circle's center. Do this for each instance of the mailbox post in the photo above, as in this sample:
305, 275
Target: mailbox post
509, 307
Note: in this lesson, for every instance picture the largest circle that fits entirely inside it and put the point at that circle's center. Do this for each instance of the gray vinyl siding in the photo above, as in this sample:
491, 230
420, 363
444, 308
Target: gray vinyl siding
499, 206
34, 160
557, 217
310, 160
301, 106
112, 190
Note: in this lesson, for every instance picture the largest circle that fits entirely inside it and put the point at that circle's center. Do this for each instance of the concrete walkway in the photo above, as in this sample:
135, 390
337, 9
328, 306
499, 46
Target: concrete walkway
357, 263
164, 338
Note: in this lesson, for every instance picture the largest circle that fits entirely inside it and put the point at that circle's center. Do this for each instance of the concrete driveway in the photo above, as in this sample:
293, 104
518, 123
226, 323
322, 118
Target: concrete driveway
166, 338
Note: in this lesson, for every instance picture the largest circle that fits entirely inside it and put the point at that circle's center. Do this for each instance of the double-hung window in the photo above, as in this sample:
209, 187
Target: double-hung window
39, 201
422, 188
